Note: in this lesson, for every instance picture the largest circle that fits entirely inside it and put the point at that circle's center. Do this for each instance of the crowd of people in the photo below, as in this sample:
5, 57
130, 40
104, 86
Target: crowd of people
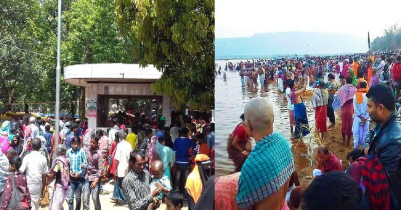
265, 175
148, 165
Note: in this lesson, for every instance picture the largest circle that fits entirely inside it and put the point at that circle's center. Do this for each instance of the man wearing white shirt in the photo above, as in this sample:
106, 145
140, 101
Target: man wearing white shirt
122, 166
290, 105
34, 166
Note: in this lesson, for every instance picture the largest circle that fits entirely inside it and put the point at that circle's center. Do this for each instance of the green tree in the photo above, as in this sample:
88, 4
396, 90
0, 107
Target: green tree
178, 38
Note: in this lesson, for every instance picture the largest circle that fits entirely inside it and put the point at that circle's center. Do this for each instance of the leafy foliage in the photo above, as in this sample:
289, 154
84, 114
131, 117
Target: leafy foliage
178, 38
390, 40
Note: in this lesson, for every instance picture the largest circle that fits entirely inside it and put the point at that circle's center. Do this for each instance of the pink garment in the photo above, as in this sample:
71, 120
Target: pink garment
4, 144
152, 152
104, 143
346, 93
345, 70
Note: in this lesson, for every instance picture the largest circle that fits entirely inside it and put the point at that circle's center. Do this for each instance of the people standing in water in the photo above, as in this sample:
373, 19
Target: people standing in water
290, 105
301, 118
237, 145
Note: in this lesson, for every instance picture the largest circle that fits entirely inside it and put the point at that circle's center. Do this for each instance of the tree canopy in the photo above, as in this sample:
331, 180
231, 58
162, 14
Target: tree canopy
391, 40
177, 37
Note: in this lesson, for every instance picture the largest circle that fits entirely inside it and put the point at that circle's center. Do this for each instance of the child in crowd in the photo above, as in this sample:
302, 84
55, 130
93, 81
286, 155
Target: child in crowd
159, 181
16, 181
174, 200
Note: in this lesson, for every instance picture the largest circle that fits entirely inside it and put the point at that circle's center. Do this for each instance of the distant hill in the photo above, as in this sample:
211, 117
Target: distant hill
289, 43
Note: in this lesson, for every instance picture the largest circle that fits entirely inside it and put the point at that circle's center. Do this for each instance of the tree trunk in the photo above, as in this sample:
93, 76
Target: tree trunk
82, 103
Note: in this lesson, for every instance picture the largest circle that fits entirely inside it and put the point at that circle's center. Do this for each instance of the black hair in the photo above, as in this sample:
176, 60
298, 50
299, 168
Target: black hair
355, 154
114, 121
175, 197
382, 94
321, 83
212, 126
242, 117
360, 74
290, 83
184, 132
117, 136
399, 58
160, 126
160, 139
99, 132
74, 125
389, 60
331, 76
148, 131
97, 139
16, 162
363, 85
178, 124
323, 150
140, 127
332, 191
383, 57
133, 154
341, 76
201, 136
76, 139
134, 128
348, 80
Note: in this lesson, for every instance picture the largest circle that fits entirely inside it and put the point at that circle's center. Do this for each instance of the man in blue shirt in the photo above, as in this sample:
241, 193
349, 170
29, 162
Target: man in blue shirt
184, 149
160, 132
78, 164
48, 136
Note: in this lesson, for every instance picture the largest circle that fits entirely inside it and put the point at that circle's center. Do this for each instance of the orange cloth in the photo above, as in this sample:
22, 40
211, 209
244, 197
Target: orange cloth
359, 96
204, 149
369, 75
194, 182
356, 68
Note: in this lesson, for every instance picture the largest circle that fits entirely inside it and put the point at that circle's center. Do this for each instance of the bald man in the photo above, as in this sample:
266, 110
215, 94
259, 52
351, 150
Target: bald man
264, 178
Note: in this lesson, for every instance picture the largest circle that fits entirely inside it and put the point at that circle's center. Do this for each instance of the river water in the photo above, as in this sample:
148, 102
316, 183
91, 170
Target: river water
231, 98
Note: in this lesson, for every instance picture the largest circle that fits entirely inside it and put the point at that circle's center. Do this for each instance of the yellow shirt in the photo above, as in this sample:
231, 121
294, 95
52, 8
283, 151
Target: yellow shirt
131, 138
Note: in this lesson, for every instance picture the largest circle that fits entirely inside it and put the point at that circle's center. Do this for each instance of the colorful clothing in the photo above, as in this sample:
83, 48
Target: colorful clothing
164, 181
167, 156
152, 151
301, 120
182, 147
68, 140
347, 110
233, 153
226, 188
131, 139
21, 183
375, 180
194, 183
95, 164
332, 164
3, 170
275, 153
77, 157
360, 128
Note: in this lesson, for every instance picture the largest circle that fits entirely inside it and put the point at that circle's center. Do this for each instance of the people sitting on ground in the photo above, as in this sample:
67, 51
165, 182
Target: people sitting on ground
265, 176
332, 191
328, 162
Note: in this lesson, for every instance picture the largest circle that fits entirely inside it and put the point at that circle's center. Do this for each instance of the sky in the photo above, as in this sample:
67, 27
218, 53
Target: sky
244, 18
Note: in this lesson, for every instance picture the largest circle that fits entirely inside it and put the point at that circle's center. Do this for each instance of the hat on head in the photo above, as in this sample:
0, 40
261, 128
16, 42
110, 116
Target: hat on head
67, 124
162, 118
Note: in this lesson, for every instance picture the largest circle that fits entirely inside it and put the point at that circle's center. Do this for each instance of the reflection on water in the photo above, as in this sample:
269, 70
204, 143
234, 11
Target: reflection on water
231, 99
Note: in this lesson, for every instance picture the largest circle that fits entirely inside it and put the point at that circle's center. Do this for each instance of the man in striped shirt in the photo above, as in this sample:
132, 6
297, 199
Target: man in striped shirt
77, 171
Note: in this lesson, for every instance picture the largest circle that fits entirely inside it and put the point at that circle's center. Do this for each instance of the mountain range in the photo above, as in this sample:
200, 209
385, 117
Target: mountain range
289, 43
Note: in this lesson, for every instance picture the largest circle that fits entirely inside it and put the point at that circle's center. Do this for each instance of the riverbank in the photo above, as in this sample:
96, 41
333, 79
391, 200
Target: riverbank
332, 140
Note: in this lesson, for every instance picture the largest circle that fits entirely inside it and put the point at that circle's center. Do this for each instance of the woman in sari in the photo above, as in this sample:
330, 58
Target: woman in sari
61, 172
346, 94
167, 156
27, 149
16, 144
352, 74
4, 142
112, 155
238, 145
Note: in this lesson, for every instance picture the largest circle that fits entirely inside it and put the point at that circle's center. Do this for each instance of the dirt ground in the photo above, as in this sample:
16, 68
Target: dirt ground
332, 140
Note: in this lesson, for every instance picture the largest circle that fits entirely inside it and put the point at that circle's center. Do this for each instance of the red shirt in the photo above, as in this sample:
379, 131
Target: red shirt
241, 133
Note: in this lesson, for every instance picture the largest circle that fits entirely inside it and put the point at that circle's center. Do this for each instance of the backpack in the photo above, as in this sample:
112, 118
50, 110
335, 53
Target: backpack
397, 71
18, 200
